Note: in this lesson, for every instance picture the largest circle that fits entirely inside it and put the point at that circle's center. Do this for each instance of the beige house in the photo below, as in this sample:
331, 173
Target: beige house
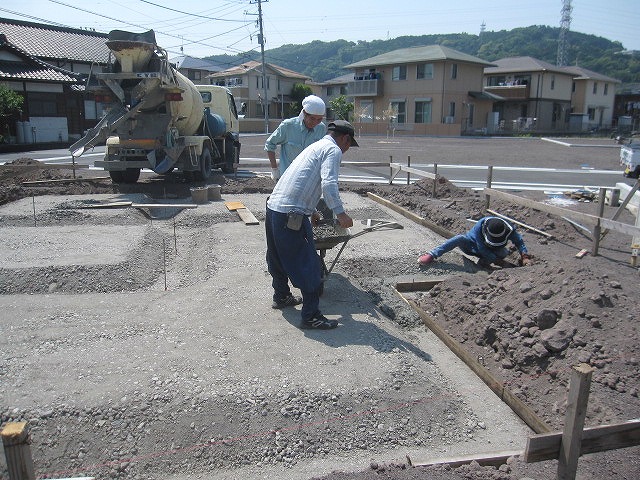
246, 83
429, 90
539, 96
592, 99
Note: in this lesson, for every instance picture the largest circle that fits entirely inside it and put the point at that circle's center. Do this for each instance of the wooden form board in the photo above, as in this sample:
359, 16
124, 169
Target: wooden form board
245, 214
518, 406
564, 212
546, 446
412, 216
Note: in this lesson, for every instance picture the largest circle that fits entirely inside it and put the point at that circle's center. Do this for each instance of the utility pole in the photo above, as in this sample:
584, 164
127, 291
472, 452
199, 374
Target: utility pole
265, 98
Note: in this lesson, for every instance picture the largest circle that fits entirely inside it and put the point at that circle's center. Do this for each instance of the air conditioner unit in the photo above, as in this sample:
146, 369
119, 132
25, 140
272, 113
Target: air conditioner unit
448, 120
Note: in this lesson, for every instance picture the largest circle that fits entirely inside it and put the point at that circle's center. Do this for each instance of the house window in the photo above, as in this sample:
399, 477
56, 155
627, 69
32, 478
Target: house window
454, 71
42, 104
592, 113
399, 73
553, 82
400, 112
573, 87
423, 111
197, 75
366, 111
606, 89
424, 71
452, 109
496, 81
595, 87
343, 90
329, 91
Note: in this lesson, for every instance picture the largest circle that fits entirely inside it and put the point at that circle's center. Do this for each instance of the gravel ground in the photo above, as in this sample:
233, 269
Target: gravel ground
187, 383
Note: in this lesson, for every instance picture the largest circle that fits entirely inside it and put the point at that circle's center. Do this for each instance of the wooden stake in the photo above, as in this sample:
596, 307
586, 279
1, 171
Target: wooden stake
15, 438
574, 421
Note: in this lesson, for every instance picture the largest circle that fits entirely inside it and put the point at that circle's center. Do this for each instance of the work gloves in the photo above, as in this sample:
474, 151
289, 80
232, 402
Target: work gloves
275, 174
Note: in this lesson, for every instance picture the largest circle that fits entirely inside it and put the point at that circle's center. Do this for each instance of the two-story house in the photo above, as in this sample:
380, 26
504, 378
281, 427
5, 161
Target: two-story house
592, 99
543, 97
427, 90
246, 83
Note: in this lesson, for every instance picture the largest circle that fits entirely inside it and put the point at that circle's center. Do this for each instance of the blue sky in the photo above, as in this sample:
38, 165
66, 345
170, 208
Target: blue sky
204, 28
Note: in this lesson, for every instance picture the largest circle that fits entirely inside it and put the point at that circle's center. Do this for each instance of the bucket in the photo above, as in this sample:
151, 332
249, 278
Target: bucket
214, 192
199, 194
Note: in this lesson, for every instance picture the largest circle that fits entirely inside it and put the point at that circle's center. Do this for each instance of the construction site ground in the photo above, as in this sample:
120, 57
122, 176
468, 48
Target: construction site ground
140, 343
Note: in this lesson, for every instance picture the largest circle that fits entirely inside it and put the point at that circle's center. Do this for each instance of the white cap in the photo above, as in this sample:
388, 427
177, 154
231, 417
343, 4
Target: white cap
313, 105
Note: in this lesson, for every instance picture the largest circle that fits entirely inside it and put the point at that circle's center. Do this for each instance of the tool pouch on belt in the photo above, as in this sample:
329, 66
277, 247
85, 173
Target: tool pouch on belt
294, 220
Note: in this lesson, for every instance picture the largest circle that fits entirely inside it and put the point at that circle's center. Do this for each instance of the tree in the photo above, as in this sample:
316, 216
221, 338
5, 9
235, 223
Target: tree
298, 92
10, 104
341, 107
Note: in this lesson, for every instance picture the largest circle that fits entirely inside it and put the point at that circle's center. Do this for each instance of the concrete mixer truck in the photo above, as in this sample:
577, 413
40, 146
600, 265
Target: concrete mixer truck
156, 117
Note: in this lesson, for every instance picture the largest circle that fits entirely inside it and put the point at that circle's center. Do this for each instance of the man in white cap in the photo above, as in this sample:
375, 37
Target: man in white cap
295, 134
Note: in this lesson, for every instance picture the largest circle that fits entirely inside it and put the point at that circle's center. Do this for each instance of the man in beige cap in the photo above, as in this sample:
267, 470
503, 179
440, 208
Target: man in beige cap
295, 134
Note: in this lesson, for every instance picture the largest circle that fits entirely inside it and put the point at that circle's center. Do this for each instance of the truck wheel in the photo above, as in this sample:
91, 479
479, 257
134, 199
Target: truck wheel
205, 164
234, 157
130, 175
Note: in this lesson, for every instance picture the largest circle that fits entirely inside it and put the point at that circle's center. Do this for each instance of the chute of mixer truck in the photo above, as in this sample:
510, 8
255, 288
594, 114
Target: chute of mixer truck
156, 118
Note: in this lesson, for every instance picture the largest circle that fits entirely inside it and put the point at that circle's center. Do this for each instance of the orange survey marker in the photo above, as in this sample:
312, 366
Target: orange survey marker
234, 205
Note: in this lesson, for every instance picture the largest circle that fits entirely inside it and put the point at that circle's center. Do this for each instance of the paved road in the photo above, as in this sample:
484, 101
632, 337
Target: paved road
518, 163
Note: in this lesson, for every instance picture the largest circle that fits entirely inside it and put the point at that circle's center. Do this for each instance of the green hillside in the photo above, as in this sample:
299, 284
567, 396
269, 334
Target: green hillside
325, 60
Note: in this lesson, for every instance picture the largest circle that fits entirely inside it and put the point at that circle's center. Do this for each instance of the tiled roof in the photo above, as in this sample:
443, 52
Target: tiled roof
185, 61
254, 65
430, 53
522, 64
49, 42
31, 68
580, 73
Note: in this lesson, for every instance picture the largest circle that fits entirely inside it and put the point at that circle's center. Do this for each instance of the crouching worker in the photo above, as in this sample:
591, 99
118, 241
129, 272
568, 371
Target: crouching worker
487, 240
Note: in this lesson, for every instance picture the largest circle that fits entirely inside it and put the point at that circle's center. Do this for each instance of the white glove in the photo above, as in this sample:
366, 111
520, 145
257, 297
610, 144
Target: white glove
275, 174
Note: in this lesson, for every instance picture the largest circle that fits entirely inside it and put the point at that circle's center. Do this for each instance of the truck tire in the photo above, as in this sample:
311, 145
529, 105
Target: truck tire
206, 165
130, 175
233, 156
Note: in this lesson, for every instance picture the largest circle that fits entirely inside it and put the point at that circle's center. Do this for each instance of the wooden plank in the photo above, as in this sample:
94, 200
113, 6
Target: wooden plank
518, 406
164, 205
63, 180
523, 225
420, 286
582, 253
578, 216
247, 217
234, 205
412, 216
403, 168
106, 205
484, 459
546, 446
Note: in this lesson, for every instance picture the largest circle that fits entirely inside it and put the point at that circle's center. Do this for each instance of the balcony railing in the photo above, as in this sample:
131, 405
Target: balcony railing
510, 92
365, 88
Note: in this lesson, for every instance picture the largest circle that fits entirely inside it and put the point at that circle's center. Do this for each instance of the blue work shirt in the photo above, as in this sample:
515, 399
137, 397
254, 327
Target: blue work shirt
472, 243
312, 175
293, 137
